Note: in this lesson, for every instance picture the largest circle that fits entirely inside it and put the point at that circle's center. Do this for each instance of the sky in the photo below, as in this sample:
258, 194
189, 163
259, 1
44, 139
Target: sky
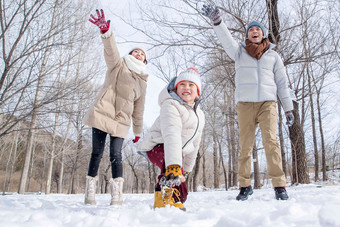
315, 205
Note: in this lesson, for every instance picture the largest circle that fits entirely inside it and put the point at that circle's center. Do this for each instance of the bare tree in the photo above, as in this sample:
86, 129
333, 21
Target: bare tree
36, 104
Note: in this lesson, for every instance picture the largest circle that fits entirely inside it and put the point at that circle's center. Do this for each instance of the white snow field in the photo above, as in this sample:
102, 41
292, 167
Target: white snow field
308, 205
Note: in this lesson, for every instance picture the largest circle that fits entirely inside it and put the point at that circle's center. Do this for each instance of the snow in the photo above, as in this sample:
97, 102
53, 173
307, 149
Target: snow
308, 205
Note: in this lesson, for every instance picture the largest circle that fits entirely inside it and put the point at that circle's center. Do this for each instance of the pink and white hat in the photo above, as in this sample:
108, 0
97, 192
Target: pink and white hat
191, 74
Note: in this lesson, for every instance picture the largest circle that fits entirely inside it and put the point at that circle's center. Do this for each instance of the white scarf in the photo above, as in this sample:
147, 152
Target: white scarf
134, 64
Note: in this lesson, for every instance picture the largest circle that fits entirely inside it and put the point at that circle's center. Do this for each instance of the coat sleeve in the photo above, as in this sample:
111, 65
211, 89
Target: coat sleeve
171, 128
230, 46
138, 111
281, 81
111, 53
190, 159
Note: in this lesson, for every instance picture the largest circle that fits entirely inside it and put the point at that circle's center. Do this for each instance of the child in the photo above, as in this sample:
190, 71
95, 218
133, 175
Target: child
120, 100
173, 140
260, 78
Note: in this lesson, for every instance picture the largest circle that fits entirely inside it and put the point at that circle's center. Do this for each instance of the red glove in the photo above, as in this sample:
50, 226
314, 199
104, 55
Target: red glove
136, 139
100, 22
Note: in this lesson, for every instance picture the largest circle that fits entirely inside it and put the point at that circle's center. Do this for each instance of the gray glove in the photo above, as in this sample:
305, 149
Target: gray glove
289, 118
212, 13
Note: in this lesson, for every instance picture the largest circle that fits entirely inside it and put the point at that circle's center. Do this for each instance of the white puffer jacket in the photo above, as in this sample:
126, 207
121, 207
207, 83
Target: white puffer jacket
256, 80
179, 127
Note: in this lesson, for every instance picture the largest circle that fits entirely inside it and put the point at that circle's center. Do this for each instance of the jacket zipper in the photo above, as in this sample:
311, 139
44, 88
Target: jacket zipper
198, 123
259, 80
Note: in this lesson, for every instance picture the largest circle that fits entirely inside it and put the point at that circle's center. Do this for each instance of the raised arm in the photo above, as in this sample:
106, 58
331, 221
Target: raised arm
229, 44
111, 52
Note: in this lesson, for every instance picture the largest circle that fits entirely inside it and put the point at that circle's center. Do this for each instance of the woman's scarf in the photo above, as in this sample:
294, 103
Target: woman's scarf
256, 50
134, 64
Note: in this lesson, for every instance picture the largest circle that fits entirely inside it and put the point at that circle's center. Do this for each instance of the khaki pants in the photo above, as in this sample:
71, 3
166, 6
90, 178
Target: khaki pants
249, 115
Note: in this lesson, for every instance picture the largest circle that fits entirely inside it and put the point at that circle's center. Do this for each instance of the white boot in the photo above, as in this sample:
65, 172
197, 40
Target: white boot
90, 190
116, 186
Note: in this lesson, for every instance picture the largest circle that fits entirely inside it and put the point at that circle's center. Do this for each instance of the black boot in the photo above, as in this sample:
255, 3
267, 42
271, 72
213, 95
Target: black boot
280, 193
244, 192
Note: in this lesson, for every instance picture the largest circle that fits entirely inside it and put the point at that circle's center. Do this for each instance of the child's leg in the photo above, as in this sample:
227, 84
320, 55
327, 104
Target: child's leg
98, 144
183, 190
156, 157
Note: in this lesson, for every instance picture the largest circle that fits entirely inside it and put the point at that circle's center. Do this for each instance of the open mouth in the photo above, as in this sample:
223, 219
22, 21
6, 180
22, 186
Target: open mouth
255, 36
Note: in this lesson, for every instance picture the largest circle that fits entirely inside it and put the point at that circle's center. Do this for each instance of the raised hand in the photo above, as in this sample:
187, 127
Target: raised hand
100, 21
212, 13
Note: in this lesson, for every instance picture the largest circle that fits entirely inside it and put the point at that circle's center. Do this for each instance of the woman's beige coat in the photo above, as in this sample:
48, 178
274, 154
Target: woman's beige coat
122, 97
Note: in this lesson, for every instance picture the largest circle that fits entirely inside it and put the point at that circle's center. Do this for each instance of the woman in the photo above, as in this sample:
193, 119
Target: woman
120, 100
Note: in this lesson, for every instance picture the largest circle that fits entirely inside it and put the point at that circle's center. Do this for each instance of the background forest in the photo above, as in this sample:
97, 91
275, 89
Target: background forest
52, 66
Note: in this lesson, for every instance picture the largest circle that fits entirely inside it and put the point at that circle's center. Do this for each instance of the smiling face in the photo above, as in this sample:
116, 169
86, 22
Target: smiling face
187, 90
255, 34
138, 54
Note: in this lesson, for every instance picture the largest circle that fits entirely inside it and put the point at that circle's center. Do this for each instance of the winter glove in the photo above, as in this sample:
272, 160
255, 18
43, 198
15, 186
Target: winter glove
212, 13
100, 22
136, 139
289, 118
173, 171
173, 176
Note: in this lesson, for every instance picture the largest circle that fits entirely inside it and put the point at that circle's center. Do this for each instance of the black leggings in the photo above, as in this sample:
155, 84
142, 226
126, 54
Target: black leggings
98, 144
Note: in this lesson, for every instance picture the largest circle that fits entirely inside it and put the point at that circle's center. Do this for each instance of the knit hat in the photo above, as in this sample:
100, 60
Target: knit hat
139, 48
191, 74
255, 23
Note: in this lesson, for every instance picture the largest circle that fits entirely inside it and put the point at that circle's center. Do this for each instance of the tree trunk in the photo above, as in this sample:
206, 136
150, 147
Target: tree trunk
61, 173
227, 125
224, 169
323, 150
274, 23
28, 150
51, 157
299, 161
257, 177
216, 169
195, 179
30, 175
316, 153
136, 177
75, 164
204, 169
14, 148
36, 105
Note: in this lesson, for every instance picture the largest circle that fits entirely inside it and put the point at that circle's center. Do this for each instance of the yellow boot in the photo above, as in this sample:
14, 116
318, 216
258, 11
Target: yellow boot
169, 200
158, 200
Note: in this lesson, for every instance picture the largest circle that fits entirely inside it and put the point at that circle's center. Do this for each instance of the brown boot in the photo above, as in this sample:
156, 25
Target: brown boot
158, 200
169, 200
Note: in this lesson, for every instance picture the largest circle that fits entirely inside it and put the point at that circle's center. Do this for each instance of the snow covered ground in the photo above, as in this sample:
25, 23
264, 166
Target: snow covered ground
308, 205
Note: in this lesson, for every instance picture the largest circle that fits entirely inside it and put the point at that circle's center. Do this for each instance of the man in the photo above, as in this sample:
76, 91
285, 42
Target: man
260, 77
